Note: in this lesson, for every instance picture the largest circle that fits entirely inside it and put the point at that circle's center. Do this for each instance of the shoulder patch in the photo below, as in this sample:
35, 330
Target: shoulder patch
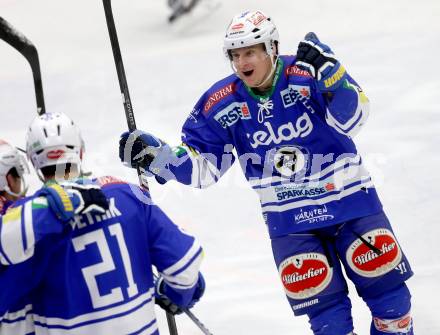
109, 180
217, 96
296, 71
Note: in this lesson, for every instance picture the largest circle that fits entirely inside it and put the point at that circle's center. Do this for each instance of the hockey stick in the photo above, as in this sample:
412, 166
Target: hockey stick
129, 114
198, 323
19, 42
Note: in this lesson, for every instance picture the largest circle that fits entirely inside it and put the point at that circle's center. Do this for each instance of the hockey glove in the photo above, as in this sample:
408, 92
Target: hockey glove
69, 198
148, 151
318, 59
164, 296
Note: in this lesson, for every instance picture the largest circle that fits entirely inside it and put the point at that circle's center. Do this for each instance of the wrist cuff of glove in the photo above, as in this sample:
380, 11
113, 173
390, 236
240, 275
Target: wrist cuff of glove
334, 79
59, 201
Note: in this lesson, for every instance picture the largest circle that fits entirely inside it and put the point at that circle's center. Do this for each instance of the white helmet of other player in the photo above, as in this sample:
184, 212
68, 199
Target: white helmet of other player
251, 28
53, 140
11, 161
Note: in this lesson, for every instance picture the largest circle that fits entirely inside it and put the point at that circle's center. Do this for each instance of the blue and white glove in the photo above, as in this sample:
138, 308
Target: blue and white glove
318, 59
147, 151
169, 300
74, 198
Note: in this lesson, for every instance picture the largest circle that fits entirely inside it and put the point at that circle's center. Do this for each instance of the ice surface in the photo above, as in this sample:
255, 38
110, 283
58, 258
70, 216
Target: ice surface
390, 47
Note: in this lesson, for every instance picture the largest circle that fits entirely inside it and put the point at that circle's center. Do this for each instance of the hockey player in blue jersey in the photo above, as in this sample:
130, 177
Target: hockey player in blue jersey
291, 120
13, 167
93, 275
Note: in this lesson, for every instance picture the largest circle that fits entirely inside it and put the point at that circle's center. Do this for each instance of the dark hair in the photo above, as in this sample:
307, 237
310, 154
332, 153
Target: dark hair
14, 173
50, 171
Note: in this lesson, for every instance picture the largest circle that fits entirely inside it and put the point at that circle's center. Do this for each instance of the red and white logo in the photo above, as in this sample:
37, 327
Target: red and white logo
55, 154
108, 180
217, 96
237, 26
296, 71
257, 18
330, 187
366, 262
401, 325
305, 275
245, 111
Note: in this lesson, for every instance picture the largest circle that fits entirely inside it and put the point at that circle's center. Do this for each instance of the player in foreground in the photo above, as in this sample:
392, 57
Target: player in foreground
94, 275
291, 121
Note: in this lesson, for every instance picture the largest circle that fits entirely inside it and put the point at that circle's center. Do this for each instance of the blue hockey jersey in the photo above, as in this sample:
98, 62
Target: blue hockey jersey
294, 146
94, 275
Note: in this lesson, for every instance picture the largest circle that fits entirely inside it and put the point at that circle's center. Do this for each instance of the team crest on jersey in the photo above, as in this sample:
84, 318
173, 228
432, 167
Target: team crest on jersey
305, 275
217, 96
369, 263
232, 113
289, 160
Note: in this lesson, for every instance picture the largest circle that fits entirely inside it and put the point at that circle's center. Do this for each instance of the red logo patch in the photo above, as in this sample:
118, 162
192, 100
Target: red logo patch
329, 186
305, 275
245, 111
55, 154
217, 96
257, 18
366, 262
403, 324
108, 180
237, 26
296, 71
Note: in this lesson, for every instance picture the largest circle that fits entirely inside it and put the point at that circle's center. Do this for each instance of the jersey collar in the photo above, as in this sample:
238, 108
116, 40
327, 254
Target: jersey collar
276, 77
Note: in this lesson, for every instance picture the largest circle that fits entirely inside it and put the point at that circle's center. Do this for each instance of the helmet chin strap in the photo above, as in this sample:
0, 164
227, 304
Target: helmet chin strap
22, 193
273, 61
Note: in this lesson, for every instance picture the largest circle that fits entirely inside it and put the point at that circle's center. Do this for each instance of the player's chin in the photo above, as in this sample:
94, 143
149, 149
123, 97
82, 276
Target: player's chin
250, 81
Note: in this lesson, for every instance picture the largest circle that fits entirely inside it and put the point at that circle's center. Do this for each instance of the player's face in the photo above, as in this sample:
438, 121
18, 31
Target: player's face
14, 183
252, 64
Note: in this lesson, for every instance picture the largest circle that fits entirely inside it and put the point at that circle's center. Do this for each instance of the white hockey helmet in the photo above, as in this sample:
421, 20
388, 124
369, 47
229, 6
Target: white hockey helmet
11, 158
53, 139
251, 28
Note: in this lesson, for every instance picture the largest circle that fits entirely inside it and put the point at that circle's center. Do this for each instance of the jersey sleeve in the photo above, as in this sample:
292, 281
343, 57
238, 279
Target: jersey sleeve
348, 108
206, 152
176, 255
22, 226
22, 278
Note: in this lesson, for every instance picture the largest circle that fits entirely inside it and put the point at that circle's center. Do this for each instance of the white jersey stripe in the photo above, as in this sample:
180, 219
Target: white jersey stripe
353, 162
184, 260
143, 300
321, 201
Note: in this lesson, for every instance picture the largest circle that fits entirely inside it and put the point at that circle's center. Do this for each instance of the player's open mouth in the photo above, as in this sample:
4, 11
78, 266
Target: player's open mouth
248, 73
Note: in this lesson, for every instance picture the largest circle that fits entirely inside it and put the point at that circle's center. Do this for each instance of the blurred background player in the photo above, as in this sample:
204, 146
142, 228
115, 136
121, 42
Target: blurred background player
95, 275
291, 120
180, 7
13, 166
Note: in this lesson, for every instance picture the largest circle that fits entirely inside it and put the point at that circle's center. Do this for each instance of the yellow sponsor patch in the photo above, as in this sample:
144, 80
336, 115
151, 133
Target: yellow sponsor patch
63, 196
335, 78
